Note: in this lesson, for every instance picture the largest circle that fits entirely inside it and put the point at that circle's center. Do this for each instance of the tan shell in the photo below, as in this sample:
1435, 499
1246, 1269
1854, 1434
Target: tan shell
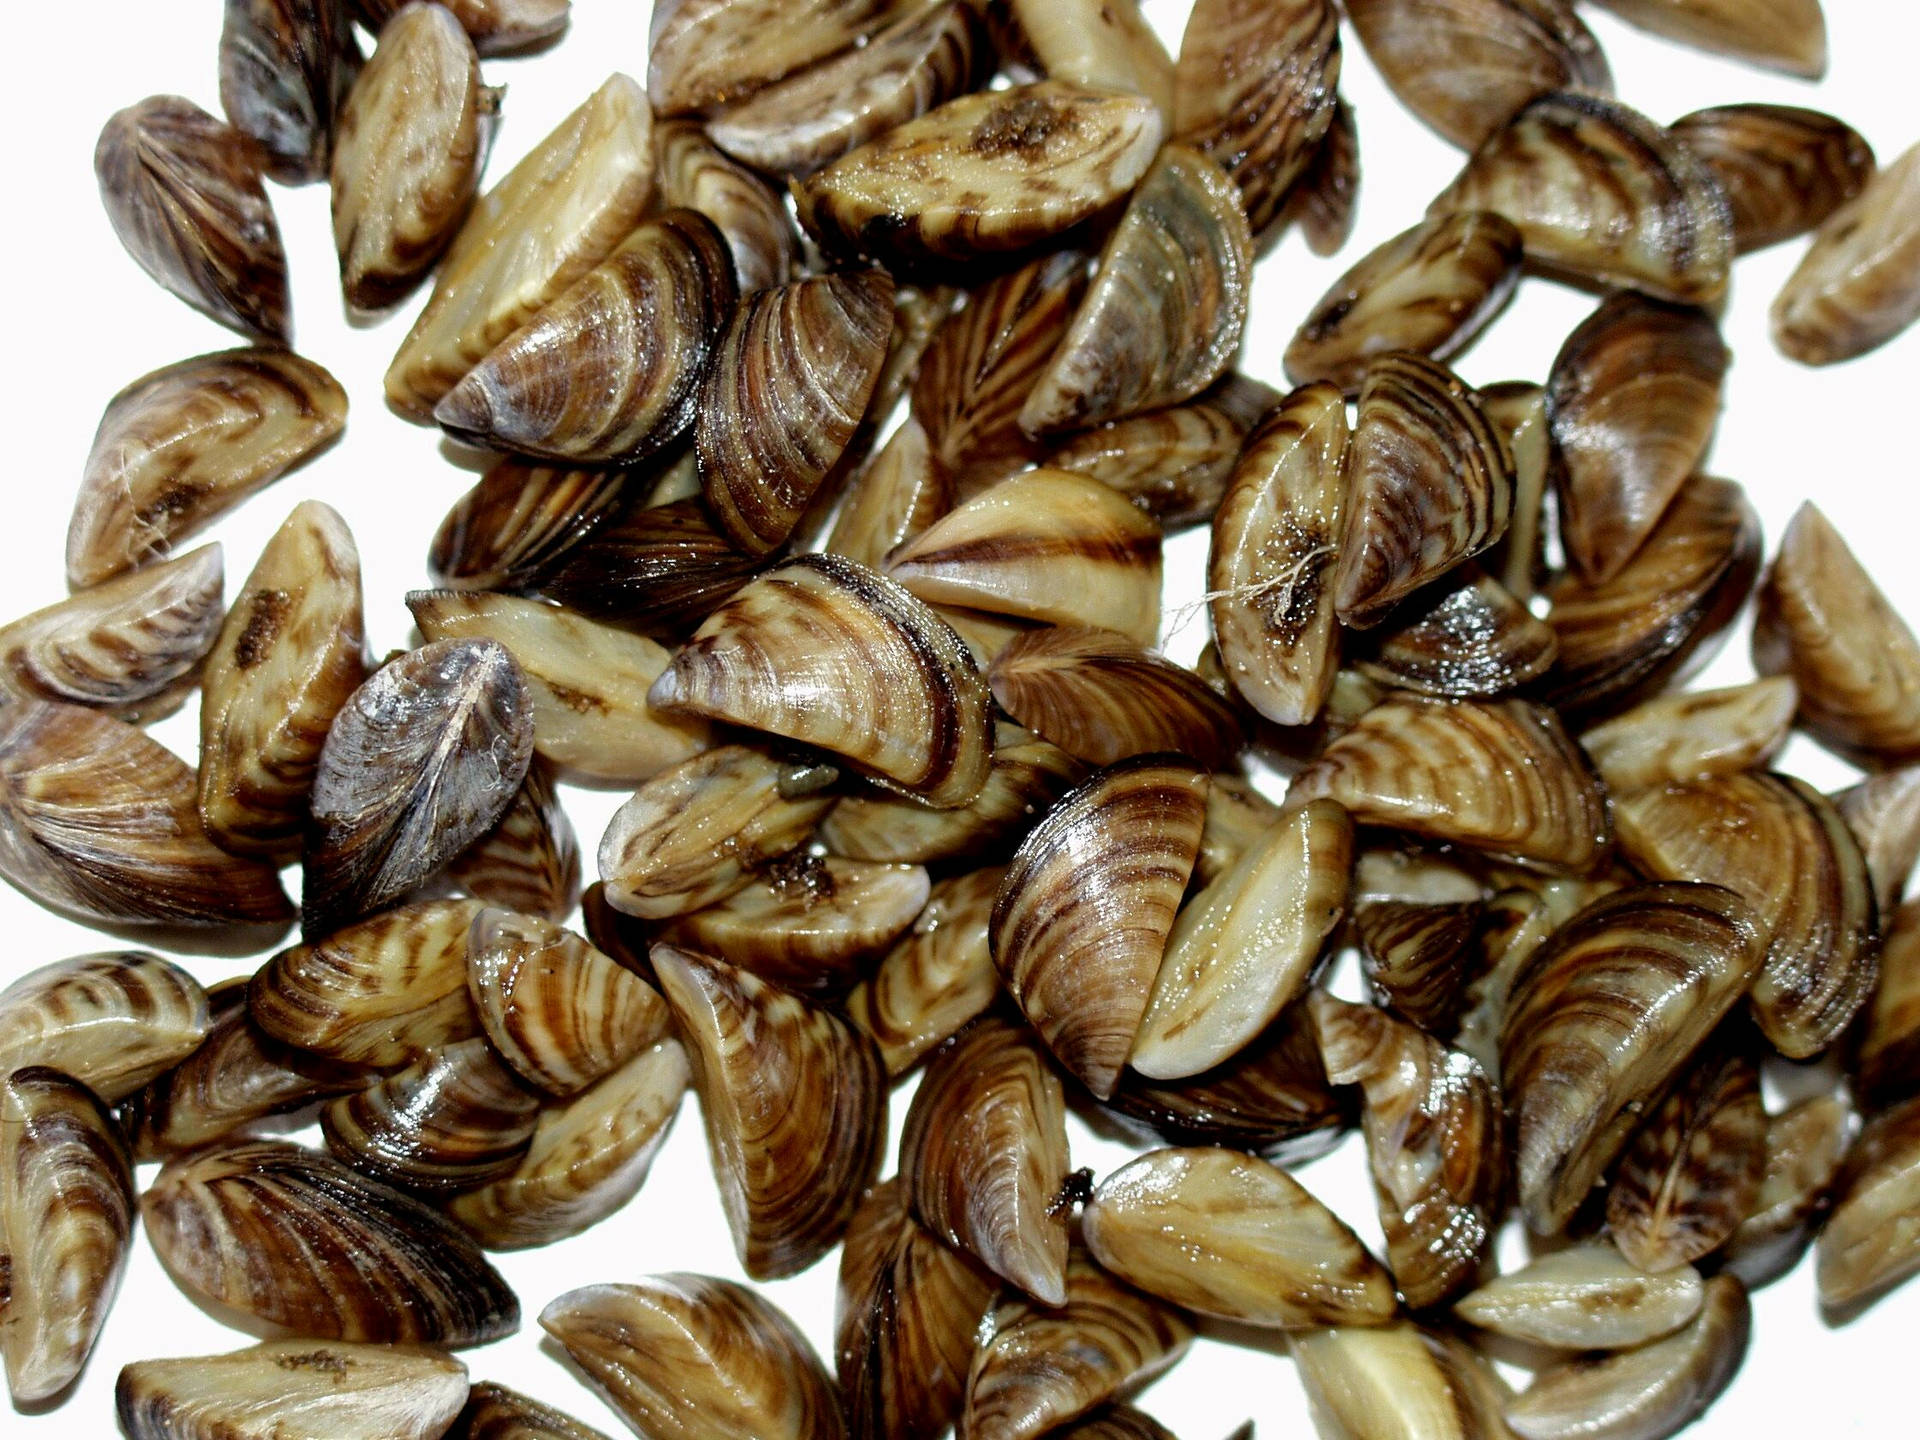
521, 517
1805, 1147
1784, 169
1397, 1382
1600, 191
1585, 1297
1789, 35
702, 53
111, 1021
1868, 1243
1883, 812
1325, 197
748, 212
1693, 736
179, 448
1083, 916
990, 173
1109, 45
1467, 635
1228, 1235
292, 650
826, 652
903, 489
1518, 410
937, 976
530, 860
555, 216
498, 27
1859, 284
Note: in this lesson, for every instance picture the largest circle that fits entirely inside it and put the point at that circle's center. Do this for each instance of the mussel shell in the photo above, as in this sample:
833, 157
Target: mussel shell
1088, 41
659, 570
1868, 1243
693, 172
1518, 410
1886, 1066
1783, 169
514, 525
1883, 812
1693, 736
937, 976
111, 1021
1788, 35
1397, 1381
1465, 636
903, 488
493, 1412
702, 53
1324, 198
1585, 1297
498, 27
1859, 284
530, 861
1805, 1147
284, 67
1416, 956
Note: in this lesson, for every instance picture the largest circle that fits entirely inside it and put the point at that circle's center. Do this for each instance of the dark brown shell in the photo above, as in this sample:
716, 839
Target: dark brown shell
284, 68
1783, 169
1466, 636
516, 524
693, 172
1324, 199
494, 1412
660, 570
1859, 284
1416, 957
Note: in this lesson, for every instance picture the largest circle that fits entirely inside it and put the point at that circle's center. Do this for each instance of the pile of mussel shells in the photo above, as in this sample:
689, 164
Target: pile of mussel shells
846, 380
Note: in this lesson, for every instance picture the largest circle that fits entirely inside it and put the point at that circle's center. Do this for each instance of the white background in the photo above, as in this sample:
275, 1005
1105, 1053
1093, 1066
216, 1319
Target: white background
83, 321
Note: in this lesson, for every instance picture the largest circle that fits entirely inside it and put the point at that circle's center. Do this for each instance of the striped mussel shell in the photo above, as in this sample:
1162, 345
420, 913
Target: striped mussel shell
795, 1104
1517, 922
1518, 410
993, 173
1428, 291
1324, 198
1783, 847
1633, 400
513, 527
184, 194
111, 1021
493, 1412
1123, 1422
1600, 192
1806, 1144
694, 173
66, 1223
1087, 41
795, 126
1824, 622
284, 68
900, 491
1868, 1243
1603, 1017
825, 652
587, 1157
1417, 957
936, 977
1163, 316
1397, 1381
1886, 1066
1237, 816
1859, 284
179, 448
1584, 1297
906, 1312
1464, 67
1655, 1389
691, 1357
291, 652
1783, 169
1432, 485
343, 1391
1691, 1174
984, 1155
411, 139
1466, 636
1655, 621
610, 371
379, 993
1694, 735
1406, 762
557, 1011
1883, 812
1044, 545
703, 53
1435, 1145
1040, 1367
558, 213
659, 570
530, 860
497, 27
1785, 35
1243, 947
1229, 1235
296, 1239
1254, 88
1082, 919
421, 761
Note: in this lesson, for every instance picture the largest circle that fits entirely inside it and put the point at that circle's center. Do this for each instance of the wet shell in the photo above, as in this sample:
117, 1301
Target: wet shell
1229, 1235
1466, 636
518, 521
1083, 915
559, 1012
530, 861
1102, 698
121, 642
296, 1239
1783, 169
66, 1220
496, 1413
1602, 1017
1416, 957
99, 821
609, 371
693, 173
379, 993
587, 1158
903, 489
291, 652
1887, 1066
183, 192
806, 923
1427, 291
1045, 545
1640, 1394
1254, 88
795, 1104
689, 1357
1693, 736
1518, 410
1123, 1422
287, 1389
789, 382
111, 1021
1406, 764
1042, 1367
1601, 192
696, 833
703, 53
1654, 621
1088, 41
1782, 847
984, 1155
1585, 1297
1805, 1146
498, 27
1163, 317
1434, 1144
1432, 485
990, 173
812, 118
587, 683
1859, 284
1869, 1242
284, 65
1243, 947
407, 154
906, 1312
1789, 35
1883, 812
179, 448
1397, 1382
1323, 199
937, 976
555, 216
823, 651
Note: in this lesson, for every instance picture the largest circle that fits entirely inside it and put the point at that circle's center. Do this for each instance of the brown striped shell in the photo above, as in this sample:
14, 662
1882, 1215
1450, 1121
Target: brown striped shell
519, 520
498, 27
702, 53
1584, 1297
659, 570
1518, 410
1464, 636
1325, 197
1783, 169
1868, 1243
692, 172
1693, 736
937, 976
493, 1412
530, 860
111, 1021
284, 67
1416, 957
900, 491
1883, 812
1859, 283
1887, 1065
